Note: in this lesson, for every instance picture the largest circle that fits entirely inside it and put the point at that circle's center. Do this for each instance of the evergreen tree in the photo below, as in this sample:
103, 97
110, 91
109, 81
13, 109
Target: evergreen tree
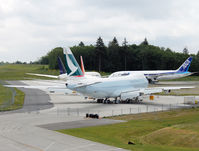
145, 42
124, 46
113, 43
100, 50
185, 51
127, 57
81, 44
197, 55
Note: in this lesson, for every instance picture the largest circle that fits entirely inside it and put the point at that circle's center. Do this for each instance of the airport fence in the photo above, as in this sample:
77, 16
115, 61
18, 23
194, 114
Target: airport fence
140, 108
105, 110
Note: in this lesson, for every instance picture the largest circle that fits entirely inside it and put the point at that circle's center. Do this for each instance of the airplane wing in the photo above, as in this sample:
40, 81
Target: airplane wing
161, 89
129, 94
51, 89
35, 87
43, 75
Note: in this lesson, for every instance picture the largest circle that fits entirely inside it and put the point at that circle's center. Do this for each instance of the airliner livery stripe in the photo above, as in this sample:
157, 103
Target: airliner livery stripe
165, 73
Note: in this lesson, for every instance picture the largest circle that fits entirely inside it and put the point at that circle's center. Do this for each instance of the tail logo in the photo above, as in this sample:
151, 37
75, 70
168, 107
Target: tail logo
186, 63
185, 66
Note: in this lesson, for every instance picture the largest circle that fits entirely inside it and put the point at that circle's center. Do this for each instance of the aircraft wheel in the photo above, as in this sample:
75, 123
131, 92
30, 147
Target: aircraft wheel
98, 100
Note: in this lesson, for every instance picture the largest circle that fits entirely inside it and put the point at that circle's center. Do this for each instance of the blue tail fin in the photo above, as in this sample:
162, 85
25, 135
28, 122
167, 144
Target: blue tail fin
61, 66
185, 66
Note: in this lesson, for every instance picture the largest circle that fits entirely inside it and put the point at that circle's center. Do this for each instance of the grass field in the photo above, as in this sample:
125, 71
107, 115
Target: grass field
18, 71
161, 131
6, 96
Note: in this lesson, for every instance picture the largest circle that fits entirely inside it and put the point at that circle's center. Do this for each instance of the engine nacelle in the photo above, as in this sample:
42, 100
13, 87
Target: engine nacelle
166, 91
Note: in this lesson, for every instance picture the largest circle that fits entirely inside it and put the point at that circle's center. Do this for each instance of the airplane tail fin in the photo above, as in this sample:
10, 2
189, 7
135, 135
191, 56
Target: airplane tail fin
61, 66
185, 66
72, 67
82, 65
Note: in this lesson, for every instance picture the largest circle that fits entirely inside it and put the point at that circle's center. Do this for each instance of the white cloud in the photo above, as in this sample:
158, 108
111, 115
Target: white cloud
31, 28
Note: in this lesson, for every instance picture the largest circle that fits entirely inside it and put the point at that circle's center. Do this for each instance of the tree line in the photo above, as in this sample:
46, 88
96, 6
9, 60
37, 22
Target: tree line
115, 57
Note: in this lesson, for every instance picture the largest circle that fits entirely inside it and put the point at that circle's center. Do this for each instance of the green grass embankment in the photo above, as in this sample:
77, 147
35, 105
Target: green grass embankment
161, 131
6, 99
5, 94
18, 71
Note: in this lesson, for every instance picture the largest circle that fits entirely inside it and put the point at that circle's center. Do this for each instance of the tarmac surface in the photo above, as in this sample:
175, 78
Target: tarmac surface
19, 130
79, 124
30, 128
35, 99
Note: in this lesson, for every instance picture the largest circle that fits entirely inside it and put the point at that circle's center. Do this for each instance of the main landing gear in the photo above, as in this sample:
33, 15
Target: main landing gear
108, 101
136, 100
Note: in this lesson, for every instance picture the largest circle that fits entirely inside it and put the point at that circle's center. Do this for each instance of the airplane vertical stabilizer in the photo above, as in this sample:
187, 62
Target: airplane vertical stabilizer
61, 66
185, 66
72, 67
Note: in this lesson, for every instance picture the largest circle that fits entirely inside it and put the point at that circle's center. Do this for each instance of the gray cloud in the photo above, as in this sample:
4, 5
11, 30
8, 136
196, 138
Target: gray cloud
31, 28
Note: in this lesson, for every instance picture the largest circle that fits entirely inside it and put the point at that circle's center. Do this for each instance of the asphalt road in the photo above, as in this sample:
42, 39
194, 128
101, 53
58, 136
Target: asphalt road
35, 99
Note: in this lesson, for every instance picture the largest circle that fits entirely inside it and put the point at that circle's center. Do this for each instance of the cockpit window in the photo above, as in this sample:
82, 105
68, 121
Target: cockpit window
120, 74
125, 74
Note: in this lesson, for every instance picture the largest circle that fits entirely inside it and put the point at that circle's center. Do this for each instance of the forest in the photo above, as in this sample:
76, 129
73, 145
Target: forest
115, 57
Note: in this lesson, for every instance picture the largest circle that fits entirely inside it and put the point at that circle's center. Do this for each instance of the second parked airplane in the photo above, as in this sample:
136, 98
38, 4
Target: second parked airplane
155, 75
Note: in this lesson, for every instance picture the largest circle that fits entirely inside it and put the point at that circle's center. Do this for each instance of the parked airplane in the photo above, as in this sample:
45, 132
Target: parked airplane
70, 69
127, 88
155, 75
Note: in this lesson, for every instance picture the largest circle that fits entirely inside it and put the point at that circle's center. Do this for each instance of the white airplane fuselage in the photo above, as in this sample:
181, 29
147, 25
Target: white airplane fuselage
110, 87
156, 74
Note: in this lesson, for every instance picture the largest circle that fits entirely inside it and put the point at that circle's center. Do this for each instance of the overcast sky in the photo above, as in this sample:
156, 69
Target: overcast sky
31, 28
